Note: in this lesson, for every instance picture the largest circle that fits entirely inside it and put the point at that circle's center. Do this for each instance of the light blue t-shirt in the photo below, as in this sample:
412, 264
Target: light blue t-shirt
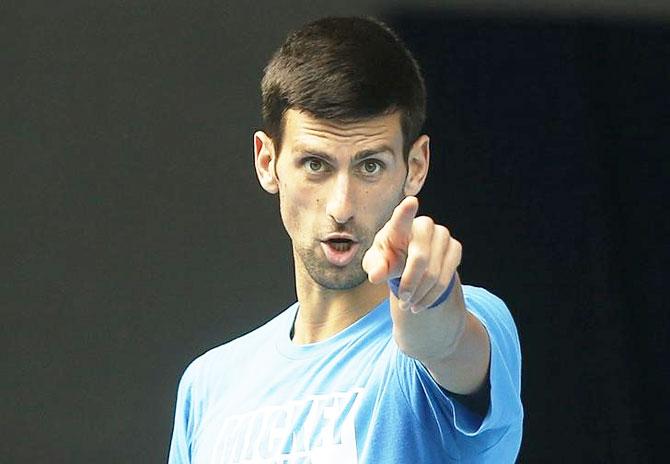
353, 398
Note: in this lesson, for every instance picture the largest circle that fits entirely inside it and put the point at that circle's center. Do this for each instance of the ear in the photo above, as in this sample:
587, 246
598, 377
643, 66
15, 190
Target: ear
417, 165
264, 161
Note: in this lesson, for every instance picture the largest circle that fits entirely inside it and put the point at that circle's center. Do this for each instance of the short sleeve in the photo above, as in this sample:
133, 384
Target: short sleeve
499, 432
184, 418
505, 408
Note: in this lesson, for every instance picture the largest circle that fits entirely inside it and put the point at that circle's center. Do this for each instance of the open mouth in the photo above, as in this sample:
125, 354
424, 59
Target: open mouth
339, 250
340, 244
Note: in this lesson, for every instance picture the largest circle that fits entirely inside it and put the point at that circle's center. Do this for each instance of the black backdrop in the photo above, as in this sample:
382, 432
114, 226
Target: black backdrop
553, 138
134, 236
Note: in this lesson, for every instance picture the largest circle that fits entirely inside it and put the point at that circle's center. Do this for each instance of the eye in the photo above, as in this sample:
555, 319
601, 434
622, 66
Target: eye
371, 167
314, 165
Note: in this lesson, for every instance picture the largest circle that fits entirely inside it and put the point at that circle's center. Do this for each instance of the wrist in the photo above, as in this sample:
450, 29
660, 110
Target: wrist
394, 285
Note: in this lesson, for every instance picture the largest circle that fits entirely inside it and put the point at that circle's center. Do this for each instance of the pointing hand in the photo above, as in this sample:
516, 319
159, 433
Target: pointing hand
421, 253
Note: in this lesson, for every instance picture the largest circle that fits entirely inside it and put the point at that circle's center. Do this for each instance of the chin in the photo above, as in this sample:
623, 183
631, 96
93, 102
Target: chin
339, 279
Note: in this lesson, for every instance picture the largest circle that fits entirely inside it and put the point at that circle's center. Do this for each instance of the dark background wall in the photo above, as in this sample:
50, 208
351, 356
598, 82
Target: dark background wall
134, 236
553, 138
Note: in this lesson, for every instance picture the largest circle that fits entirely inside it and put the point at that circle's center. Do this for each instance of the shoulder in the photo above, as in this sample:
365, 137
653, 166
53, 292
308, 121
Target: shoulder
491, 311
483, 301
496, 317
231, 354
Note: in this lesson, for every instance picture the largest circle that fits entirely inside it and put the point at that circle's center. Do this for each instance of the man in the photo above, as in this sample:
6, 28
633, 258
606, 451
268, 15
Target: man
386, 357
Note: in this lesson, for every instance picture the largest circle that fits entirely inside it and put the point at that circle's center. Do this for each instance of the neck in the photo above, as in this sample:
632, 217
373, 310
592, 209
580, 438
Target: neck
324, 313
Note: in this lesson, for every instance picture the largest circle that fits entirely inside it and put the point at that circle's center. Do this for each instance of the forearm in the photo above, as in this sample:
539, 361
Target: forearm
448, 340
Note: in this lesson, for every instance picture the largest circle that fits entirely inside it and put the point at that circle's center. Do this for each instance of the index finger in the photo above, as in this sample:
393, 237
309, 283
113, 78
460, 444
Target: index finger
399, 226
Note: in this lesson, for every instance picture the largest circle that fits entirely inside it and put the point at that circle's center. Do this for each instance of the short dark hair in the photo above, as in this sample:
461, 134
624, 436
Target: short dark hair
344, 69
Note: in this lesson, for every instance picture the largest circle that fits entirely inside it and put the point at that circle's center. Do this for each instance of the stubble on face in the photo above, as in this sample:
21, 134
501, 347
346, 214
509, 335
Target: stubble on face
332, 277
302, 213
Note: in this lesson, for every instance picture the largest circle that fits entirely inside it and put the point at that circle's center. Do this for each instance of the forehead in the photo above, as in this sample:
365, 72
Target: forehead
302, 129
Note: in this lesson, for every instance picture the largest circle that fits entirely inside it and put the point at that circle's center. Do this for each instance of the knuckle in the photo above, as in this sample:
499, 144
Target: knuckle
442, 231
417, 261
431, 277
424, 222
420, 260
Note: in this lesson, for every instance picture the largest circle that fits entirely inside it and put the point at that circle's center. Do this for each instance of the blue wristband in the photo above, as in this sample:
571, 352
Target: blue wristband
394, 284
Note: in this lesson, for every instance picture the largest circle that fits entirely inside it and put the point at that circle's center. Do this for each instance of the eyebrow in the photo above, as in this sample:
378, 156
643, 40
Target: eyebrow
357, 157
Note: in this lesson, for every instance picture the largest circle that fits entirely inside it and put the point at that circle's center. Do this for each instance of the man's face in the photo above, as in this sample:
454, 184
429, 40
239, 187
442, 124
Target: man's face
338, 185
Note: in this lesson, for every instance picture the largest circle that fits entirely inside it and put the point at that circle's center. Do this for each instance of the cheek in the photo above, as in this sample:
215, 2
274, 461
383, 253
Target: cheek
381, 205
298, 209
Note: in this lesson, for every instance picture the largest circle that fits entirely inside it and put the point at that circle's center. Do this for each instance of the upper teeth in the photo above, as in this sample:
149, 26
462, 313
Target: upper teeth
340, 246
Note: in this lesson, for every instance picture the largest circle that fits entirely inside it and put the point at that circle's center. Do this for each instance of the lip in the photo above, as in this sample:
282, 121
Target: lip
340, 235
339, 258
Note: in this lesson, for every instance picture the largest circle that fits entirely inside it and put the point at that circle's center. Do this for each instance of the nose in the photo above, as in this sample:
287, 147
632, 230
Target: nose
340, 206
